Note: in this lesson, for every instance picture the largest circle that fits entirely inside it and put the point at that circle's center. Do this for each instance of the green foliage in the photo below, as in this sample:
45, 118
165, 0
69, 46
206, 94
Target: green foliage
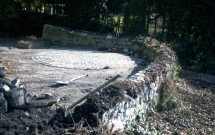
193, 27
168, 101
135, 18
176, 69
115, 6
190, 27
84, 14
7, 11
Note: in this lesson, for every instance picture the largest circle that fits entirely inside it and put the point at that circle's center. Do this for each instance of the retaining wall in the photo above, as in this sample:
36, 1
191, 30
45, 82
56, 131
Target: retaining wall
124, 104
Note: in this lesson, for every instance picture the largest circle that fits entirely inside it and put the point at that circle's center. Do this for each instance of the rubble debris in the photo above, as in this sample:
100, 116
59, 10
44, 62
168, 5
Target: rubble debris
16, 97
3, 104
2, 72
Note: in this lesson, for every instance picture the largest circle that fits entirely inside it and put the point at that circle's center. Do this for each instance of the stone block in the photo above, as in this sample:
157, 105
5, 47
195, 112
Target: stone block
123, 44
109, 36
98, 39
24, 45
6, 81
16, 97
136, 48
3, 104
129, 44
2, 72
108, 43
4, 87
136, 55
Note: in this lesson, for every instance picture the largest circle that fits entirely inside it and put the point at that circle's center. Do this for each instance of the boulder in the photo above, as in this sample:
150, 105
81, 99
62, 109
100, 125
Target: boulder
16, 82
16, 97
129, 43
125, 50
108, 49
6, 80
109, 36
136, 48
2, 72
3, 104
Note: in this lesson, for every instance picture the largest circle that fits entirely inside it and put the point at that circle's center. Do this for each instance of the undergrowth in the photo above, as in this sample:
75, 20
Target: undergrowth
168, 100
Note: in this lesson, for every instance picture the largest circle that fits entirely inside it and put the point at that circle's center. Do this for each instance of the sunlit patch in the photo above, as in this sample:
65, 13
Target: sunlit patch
77, 59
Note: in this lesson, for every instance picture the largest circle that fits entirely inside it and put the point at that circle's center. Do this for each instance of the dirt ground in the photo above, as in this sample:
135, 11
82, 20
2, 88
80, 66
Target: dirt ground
196, 93
195, 114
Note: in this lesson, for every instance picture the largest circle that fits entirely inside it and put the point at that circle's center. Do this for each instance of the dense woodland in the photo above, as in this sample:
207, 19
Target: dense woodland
188, 26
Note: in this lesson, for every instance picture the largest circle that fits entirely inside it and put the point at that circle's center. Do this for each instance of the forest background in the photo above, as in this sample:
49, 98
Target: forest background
187, 26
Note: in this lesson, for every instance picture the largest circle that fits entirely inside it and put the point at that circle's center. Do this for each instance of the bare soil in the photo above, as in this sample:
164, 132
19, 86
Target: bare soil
196, 113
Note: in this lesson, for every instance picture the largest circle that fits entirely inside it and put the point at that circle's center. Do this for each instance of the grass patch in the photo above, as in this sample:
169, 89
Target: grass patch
168, 101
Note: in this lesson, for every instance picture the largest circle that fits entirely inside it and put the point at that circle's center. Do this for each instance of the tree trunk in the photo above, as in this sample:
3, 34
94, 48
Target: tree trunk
117, 25
29, 6
144, 16
163, 27
155, 28
148, 18
33, 6
54, 7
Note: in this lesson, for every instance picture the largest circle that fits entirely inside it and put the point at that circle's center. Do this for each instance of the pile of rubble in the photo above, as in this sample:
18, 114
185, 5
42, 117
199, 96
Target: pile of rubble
13, 94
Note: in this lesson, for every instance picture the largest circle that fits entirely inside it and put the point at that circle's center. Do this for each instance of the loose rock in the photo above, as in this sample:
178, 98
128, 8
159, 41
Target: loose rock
4, 87
108, 49
125, 50
6, 81
16, 82
136, 55
109, 36
16, 97
3, 104
2, 72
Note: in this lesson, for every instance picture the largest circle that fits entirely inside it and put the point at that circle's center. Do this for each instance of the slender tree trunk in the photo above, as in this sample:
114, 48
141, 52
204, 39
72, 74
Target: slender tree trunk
117, 25
125, 21
147, 26
155, 28
163, 27
29, 6
40, 5
148, 18
144, 17
168, 30
33, 6
173, 30
54, 7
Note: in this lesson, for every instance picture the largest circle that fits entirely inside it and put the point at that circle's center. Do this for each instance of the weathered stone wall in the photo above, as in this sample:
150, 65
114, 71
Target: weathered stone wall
124, 104
65, 37
141, 92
